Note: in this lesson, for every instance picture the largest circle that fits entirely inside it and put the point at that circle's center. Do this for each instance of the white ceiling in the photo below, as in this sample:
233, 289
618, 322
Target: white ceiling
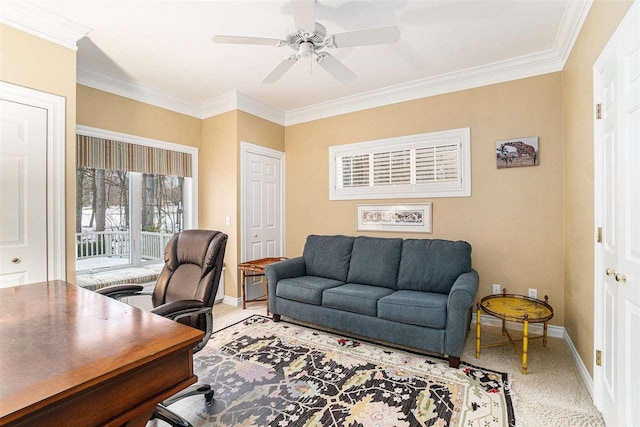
166, 46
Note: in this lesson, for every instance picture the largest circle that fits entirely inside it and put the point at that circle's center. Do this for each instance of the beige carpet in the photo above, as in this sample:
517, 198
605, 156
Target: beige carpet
551, 394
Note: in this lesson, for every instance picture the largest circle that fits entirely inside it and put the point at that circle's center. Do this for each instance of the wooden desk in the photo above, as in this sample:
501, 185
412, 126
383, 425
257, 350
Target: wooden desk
257, 268
69, 356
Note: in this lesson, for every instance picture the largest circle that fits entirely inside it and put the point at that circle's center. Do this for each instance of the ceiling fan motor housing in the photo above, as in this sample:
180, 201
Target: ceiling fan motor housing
305, 42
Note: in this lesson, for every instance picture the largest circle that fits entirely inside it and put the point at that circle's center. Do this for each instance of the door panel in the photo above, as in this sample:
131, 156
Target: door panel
262, 232
23, 194
618, 185
629, 251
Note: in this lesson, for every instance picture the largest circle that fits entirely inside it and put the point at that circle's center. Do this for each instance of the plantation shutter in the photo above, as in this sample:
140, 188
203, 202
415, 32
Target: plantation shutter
100, 153
428, 165
439, 163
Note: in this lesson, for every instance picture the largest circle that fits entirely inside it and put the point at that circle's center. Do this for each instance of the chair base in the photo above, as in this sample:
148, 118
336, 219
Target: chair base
165, 414
194, 390
162, 413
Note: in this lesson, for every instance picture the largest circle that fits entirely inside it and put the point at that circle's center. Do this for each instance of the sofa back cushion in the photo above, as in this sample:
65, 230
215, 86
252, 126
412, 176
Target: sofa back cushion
433, 265
328, 256
375, 261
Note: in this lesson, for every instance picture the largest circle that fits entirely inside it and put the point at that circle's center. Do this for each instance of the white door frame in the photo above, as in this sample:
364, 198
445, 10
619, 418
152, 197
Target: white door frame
598, 158
246, 148
56, 147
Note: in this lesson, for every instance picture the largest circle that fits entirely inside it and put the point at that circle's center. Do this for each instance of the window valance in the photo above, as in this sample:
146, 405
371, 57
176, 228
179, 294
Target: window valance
100, 153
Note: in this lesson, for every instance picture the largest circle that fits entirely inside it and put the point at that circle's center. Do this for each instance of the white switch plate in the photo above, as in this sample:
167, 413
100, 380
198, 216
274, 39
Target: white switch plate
496, 289
227, 220
533, 293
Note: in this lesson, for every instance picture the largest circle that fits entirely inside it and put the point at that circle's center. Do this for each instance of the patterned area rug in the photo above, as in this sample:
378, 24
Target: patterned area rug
281, 374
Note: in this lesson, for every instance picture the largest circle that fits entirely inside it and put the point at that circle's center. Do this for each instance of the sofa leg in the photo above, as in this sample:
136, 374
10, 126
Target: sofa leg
276, 317
454, 362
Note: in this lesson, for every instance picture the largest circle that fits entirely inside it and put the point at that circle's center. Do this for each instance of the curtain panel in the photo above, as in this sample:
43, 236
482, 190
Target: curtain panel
99, 153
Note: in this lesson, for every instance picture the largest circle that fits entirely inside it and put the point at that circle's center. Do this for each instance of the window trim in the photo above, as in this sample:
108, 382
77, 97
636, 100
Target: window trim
463, 189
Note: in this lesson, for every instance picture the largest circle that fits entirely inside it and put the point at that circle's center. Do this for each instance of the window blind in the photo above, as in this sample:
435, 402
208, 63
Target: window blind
426, 165
100, 153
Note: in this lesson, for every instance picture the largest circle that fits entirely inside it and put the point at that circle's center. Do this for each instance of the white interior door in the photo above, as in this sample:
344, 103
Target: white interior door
262, 210
618, 257
23, 194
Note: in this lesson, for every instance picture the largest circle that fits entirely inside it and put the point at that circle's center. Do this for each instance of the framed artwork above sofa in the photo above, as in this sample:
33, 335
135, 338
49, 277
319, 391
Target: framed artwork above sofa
414, 218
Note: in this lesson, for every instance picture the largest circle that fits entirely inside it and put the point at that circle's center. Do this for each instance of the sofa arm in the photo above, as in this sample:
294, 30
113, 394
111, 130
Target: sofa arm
461, 298
294, 267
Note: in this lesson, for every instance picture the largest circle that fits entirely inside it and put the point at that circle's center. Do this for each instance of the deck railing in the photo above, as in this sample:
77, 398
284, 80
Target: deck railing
118, 244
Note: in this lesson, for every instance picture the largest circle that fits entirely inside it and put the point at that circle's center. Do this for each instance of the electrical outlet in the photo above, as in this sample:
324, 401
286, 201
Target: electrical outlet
227, 220
533, 293
496, 289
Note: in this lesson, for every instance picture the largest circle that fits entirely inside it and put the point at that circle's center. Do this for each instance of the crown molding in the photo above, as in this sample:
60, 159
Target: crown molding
260, 109
137, 91
219, 104
42, 23
573, 18
239, 101
497, 72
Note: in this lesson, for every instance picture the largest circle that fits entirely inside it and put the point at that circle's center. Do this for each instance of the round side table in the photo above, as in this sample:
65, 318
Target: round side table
515, 308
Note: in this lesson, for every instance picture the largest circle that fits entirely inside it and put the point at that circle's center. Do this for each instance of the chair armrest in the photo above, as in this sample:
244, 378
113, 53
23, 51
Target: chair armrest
461, 298
120, 291
294, 267
173, 309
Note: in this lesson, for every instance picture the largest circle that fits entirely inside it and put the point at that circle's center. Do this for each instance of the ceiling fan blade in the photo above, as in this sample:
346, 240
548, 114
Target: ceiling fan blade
304, 14
246, 40
279, 71
336, 68
373, 36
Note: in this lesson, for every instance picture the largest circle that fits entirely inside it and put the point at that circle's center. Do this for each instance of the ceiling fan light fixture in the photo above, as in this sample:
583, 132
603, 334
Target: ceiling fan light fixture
305, 50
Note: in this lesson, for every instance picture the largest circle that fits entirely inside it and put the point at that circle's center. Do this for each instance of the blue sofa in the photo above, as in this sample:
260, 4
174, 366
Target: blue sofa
413, 292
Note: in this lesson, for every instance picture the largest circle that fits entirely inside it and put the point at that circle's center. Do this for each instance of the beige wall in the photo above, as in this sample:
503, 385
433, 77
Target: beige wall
220, 185
36, 63
514, 218
577, 96
107, 111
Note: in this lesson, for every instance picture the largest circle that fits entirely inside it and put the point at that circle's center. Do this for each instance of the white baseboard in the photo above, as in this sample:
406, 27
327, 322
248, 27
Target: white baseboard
582, 369
535, 328
235, 302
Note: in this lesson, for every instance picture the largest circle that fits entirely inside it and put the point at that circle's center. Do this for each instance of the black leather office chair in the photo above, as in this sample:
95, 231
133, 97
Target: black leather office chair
185, 292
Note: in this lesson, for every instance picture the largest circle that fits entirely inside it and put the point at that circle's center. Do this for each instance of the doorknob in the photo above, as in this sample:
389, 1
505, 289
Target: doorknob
255, 235
610, 272
16, 260
621, 278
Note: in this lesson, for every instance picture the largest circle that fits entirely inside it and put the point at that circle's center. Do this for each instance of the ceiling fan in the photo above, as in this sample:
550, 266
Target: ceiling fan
309, 38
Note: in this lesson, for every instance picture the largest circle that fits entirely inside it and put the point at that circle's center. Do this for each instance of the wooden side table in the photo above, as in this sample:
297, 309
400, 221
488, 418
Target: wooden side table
255, 268
515, 308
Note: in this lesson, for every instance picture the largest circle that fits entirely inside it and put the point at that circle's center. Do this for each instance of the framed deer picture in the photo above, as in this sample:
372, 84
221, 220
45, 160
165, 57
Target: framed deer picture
518, 152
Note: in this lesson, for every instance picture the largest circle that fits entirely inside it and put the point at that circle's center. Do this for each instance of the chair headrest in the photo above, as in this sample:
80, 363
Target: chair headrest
193, 247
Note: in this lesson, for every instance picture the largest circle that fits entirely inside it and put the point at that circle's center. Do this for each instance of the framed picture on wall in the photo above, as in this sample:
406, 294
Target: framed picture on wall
399, 218
517, 152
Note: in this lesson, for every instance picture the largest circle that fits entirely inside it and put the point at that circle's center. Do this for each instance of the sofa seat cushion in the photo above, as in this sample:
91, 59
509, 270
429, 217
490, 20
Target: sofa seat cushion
356, 298
415, 308
307, 289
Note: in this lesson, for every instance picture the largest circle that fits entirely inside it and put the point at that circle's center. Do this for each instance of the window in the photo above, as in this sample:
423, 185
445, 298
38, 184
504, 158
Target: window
130, 199
427, 165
